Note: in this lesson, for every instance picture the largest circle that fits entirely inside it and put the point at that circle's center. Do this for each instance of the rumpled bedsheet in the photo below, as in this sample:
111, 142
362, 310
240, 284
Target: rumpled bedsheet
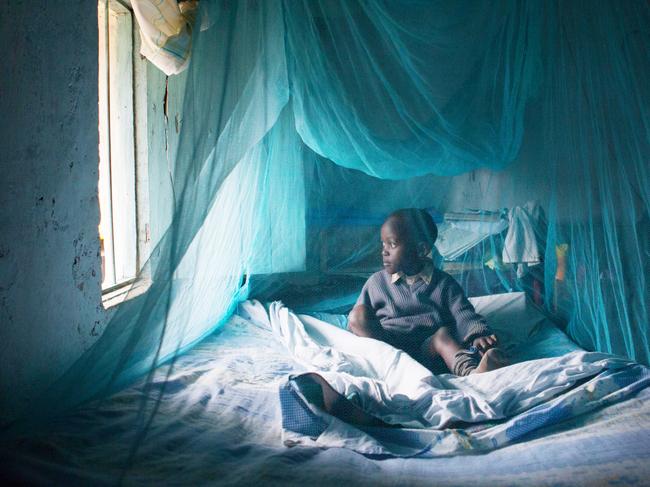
439, 415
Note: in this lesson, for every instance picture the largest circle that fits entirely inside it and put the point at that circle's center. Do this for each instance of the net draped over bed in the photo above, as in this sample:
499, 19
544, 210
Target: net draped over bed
305, 123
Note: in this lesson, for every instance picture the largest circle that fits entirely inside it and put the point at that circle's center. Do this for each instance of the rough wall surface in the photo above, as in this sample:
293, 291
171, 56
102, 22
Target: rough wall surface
161, 153
50, 296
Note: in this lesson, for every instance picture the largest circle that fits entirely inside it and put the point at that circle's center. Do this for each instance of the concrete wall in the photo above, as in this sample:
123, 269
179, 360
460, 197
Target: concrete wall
50, 297
50, 269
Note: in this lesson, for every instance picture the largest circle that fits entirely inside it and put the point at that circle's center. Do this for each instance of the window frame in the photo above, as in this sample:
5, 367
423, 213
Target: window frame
137, 179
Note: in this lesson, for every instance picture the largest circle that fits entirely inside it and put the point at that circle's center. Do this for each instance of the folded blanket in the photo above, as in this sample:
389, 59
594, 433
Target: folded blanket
437, 415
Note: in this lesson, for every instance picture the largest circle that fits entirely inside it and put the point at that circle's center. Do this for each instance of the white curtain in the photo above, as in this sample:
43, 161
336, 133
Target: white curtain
165, 30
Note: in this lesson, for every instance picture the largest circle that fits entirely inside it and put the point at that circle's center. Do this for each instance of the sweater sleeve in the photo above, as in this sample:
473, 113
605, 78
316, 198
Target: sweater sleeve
364, 297
469, 324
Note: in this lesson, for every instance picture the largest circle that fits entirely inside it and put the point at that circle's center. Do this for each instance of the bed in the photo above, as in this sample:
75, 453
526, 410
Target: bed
219, 421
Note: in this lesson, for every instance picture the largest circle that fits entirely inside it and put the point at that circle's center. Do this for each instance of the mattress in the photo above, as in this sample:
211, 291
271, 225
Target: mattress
218, 421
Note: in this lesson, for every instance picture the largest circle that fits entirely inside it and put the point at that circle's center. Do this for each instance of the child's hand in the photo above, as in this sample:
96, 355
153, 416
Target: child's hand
485, 343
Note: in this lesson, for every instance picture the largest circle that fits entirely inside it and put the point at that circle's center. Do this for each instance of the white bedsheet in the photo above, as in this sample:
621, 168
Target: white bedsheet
219, 423
390, 385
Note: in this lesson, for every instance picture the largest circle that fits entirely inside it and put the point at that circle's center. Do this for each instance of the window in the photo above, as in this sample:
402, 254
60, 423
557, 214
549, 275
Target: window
123, 228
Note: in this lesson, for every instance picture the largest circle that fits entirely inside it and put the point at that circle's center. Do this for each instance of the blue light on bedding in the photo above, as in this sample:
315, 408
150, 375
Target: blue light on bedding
220, 422
394, 388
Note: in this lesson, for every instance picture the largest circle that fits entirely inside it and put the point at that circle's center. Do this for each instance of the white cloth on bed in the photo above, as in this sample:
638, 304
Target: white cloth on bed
219, 422
395, 388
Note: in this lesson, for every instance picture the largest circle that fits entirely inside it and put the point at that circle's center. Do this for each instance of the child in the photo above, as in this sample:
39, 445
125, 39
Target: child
418, 308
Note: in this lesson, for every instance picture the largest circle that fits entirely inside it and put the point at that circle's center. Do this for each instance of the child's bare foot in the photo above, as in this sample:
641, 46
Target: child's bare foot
325, 397
492, 359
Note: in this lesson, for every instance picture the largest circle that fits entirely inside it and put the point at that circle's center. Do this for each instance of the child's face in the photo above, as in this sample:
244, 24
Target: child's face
398, 251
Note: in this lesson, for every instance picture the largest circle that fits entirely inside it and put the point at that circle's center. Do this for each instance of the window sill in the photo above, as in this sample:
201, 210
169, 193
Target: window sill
127, 290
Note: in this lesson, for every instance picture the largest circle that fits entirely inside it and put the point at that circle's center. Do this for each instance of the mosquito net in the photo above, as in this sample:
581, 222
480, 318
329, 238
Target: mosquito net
522, 127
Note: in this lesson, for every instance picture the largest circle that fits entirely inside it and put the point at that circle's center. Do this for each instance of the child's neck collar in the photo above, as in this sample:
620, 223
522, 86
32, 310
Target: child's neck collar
416, 269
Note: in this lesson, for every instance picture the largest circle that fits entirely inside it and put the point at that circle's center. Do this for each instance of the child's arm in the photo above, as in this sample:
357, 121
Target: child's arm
363, 322
471, 326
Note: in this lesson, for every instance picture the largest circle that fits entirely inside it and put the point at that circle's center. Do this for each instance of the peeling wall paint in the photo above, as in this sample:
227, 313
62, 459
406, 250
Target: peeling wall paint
50, 292
162, 152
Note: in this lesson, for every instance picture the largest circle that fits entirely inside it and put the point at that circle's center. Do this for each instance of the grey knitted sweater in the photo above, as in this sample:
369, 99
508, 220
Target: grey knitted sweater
415, 311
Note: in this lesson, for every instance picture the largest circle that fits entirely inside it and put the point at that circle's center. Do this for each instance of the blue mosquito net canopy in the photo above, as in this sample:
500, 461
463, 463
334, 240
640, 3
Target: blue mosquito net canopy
523, 127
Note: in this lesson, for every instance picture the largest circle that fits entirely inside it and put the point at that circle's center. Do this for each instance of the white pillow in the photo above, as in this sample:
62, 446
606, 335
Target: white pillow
512, 317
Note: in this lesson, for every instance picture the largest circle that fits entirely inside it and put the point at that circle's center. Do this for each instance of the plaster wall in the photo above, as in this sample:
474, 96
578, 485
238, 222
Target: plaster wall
50, 296
162, 144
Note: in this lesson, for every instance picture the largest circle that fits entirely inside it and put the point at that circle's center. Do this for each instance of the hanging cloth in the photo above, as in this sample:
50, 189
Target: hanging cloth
166, 32
522, 245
